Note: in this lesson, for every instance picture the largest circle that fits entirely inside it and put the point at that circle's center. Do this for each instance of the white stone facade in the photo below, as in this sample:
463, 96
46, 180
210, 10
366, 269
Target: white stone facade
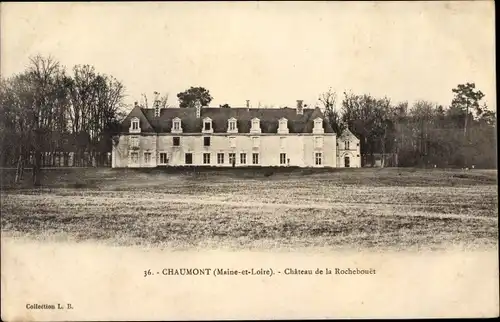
236, 137
266, 150
348, 150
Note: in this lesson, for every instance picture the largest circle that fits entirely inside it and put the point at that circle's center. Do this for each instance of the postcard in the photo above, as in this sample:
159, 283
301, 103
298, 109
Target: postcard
248, 160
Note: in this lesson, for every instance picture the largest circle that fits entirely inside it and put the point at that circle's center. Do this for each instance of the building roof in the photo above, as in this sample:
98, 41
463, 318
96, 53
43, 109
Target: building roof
269, 119
347, 133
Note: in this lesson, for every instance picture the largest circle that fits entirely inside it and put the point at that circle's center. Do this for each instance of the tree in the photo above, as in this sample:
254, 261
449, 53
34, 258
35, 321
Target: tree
367, 117
44, 113
488, 118
45, 73
328, 100
96, 99
162, 100
466, 98
16, 103
189, 97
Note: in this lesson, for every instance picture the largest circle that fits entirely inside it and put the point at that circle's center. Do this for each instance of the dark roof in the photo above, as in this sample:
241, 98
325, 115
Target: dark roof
144, 121
269, 118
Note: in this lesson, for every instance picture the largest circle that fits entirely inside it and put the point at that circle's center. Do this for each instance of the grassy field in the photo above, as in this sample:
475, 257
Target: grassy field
257, 209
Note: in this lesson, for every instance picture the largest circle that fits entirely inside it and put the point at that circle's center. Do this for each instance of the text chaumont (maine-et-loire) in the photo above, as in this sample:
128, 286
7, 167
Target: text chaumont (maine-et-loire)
258, 271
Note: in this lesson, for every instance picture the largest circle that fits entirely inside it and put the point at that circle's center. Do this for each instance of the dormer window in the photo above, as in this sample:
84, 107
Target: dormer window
283, 126
176, 125
255, 126
232, 125
135, 126
318, 125
207, 125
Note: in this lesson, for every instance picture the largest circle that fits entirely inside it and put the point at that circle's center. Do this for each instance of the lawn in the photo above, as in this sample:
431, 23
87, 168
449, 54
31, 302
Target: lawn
257, 209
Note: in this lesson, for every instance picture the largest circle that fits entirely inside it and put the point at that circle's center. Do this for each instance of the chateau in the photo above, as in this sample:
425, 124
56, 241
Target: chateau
232, 137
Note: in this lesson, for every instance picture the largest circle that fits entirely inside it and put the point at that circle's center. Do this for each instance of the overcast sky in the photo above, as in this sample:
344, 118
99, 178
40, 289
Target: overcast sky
271, 52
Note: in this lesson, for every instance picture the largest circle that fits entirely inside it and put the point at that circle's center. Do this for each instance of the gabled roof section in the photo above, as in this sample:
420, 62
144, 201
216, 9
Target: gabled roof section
347, 133
144, 123
269, 119
314, 114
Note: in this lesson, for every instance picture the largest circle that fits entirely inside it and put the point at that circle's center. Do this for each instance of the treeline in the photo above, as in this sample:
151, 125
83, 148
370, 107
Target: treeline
51, 117
423, 134
48, 116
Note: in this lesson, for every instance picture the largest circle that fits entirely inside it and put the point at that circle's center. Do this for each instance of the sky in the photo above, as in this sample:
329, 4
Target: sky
271, 53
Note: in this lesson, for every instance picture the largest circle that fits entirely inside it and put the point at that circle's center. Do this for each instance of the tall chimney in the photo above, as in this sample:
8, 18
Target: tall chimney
300, 109
156, 104
197, 104
157, 108
248, 103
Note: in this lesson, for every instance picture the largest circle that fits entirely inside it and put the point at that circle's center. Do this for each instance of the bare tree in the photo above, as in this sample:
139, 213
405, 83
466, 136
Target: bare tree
45, 72
164, 101
329, 101
161, 100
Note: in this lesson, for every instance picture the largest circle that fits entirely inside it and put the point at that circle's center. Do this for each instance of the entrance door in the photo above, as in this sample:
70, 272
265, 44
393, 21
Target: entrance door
346, 162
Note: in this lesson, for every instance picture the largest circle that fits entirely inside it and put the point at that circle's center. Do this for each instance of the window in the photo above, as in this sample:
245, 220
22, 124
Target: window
357, 144
206, 158
176, 141
147, 157
318, 158
319, 142
134, 157
135, 124
206, 141
163, 158
232, 142
255, 126
176, 125
232, 125
282, 158
346, 145
243, 158
220, 158
255, 158
232, 158
188, 158
318, 125
134, 142
255, 142
283, 125
207, 125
